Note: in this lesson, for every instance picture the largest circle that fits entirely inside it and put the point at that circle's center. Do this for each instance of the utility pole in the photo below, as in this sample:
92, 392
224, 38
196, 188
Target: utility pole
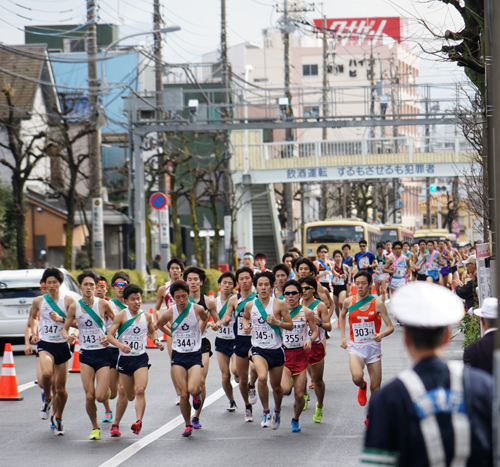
324, 185
98, 238
371, 76
428, 149
394, 81
164, 248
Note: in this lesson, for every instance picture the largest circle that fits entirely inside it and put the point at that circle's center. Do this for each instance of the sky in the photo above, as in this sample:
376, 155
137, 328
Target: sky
200, 23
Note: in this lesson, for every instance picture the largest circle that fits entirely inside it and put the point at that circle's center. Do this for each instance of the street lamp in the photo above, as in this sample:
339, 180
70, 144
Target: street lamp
104, 88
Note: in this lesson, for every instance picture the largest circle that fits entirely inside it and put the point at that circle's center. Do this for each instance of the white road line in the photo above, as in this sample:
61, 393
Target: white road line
128, 452
29, 385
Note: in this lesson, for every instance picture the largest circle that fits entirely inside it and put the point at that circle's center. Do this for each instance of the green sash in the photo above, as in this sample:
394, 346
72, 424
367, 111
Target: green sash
191, 300
54, 306
94, 316
314, 304
181, 316
222, 311
295, 311
282, 297
119, 304
127, 324
242, 304
361, 303
263, 313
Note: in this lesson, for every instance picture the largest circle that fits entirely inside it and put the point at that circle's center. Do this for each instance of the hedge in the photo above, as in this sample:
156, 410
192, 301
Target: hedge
471, 328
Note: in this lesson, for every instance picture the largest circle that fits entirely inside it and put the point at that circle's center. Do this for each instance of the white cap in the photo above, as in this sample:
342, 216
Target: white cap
489, 309
426, 305
470, 260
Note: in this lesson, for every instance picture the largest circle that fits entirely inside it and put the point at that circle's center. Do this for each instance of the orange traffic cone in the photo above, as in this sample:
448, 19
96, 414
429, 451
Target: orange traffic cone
150, 344
75, 366
211, 296
8, 380
353, 289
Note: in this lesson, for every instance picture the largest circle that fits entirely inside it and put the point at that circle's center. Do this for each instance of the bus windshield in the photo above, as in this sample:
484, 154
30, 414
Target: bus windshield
389, 234
335, 234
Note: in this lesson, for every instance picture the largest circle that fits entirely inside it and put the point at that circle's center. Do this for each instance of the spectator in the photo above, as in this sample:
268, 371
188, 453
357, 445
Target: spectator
468, 290
157, 262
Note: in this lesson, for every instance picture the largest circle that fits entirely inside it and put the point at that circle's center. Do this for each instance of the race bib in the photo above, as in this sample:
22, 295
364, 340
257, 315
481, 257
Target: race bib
363, 332
400, 272
264, 336
91, 338
226, 332
363, 263
185, 342
294, 339
340, 281
136, 344
52, 329
241, 331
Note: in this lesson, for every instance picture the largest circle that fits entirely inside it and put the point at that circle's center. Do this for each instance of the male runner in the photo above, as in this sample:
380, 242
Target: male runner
242, 342
175, 269
364, 259
91, 313
398, 266
365, 319
406, 249
446, 261
295, 252
432, 263
379, 276
324, 267
187, 322
340, 281
195, 278
348, 260
457, 259
224, 342
420, 259
133, 327
119, 281
281, 273
317, 353
388, 248
260, 261
297, 343
52, 348
263, 318
248, 261
287, 259
305, 267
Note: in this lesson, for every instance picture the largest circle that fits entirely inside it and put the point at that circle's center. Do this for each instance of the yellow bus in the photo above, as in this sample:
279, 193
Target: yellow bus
336, 232
435, 234
393, 232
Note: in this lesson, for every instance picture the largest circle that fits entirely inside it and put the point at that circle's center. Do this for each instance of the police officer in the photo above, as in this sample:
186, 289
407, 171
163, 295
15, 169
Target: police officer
438, 413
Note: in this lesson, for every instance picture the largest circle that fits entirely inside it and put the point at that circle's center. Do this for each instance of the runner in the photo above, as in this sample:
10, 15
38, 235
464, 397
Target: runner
297, 342
340, 281
187, 322
446, 261
457, 259
263, 318
287, 260
388, 248
397, 266
414, 260
91, 313
324, 267
317, 353
305, 267
348, 260
364, 259
248, 261
133, 327
406, 249
379, 276
433, 260
119, 281
175, 268
224, 342
242, 342
365, 319
295, 252
421, 260
281, 273
260, 261
195, 278
52, 348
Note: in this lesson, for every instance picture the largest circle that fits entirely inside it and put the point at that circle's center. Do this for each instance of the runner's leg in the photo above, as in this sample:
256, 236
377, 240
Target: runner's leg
242, 368
46, 361
60, 394
141, 381
262, 369
300, 382
375, 372
181, 383
88, 380
224, 363
205, 358
357, 365
275, 375
317, 371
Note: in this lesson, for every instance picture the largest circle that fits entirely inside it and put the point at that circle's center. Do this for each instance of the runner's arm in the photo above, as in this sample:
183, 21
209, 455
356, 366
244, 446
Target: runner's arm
387, 268
246, 317
312, 325
160, 296
231, 306
120, 318
69, 322
284, 319
212, 307
324, 318
28, 329
202, 316
322, 273
163, 320
380, 307
342, 321
153, 334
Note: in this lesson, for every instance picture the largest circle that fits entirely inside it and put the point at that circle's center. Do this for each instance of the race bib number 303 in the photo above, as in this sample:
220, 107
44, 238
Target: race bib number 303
363, 332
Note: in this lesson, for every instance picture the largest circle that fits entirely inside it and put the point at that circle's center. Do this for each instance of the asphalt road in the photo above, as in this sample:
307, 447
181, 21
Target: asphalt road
224, 439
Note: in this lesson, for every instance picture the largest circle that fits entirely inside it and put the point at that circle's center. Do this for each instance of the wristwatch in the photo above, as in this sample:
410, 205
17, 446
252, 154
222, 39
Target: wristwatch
320, 323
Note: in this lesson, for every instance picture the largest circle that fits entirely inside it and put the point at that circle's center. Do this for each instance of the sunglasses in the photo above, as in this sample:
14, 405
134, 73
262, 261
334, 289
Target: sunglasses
323, 251
292, 292
120, 284
307, 287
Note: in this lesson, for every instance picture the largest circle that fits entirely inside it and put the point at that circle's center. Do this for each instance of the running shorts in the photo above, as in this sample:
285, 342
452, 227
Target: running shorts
444, 271
206, 346
224, 346
317, 353
60, 351
129, 365
337, 289
274, 357
326, 285
186, 360
396, 283
434, 274
421, 277
296, 361
114, 353
453, 269
379, 277
242, 345
370, 351
95, 359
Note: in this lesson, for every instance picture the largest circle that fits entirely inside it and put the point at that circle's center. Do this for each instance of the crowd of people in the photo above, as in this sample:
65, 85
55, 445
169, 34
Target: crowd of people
270, 325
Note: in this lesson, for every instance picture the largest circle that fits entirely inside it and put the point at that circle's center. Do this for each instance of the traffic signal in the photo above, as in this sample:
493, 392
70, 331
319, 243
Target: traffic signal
434, 188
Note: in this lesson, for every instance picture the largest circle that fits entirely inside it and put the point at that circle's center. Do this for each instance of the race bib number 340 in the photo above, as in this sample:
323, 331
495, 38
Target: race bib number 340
363, 332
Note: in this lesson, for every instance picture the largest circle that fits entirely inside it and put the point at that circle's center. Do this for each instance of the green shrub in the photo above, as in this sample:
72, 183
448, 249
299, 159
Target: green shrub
211, 282
161, 277
471, 328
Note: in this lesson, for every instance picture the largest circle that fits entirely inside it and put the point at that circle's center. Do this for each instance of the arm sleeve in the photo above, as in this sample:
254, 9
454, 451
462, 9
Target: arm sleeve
464, 291
469, 356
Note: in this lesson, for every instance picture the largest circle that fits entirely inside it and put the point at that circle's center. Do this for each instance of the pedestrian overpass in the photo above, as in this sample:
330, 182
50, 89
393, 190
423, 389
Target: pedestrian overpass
257, 166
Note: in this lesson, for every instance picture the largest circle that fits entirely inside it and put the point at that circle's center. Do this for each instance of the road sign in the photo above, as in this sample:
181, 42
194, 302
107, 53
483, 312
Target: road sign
374, 222
455, 227
158, 201
399, 203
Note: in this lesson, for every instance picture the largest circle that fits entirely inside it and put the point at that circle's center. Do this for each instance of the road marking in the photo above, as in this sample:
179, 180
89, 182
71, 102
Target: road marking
128, 452
23, 387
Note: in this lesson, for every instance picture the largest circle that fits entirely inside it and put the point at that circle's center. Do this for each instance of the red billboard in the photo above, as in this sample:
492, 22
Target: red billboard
366, 31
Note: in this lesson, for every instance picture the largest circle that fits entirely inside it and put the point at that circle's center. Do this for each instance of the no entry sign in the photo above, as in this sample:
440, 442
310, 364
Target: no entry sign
158, 201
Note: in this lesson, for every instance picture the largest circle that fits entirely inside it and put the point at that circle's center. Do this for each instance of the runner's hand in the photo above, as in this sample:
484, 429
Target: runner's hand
104, 341
28, 350
34, 339
377, 337
343, 343
55, 317
307, 345
247, 329
226, 320
160, 346
272, 320
124, 348
71, 339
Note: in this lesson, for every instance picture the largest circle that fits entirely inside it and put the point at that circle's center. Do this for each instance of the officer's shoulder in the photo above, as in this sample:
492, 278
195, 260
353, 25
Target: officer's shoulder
388, 395
480, 379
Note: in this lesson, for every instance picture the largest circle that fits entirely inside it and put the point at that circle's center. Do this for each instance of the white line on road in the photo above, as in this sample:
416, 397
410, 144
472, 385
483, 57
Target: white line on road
29, 385
128, 452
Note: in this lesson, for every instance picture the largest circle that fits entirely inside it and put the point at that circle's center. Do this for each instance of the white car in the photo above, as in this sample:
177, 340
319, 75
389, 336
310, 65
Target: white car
17, 290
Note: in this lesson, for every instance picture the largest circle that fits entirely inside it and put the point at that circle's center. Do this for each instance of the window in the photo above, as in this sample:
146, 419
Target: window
309, 70
311, 111
335, 234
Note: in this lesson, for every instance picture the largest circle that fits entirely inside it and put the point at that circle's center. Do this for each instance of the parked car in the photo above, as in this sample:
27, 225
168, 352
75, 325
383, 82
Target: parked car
17, 290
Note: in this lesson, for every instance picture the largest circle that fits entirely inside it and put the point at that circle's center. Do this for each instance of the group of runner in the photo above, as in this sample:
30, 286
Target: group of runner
271, 329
